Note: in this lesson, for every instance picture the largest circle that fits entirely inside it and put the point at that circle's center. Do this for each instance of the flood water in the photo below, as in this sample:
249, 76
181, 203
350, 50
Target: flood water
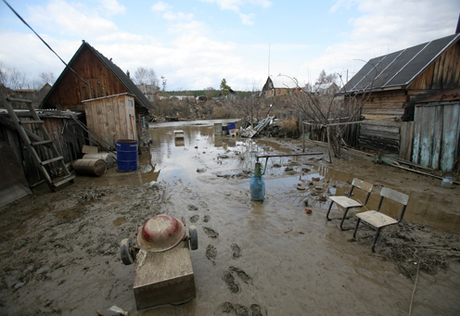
271, 257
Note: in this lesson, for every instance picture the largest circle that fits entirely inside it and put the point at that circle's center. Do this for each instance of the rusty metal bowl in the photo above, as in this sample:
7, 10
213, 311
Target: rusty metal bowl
161, 233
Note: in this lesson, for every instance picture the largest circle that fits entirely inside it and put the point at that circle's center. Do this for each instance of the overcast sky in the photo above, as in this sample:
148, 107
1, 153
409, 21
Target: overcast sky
196, 43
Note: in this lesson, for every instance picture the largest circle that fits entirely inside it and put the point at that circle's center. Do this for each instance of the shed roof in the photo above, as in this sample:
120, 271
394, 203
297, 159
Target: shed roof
117, 72
399, 68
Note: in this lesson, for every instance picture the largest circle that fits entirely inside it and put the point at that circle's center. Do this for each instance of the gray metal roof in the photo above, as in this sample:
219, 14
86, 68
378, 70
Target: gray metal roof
399, 68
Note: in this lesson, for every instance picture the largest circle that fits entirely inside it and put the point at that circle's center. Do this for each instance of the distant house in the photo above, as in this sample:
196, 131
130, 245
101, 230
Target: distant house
278, 86
328, 88
394, 83
90, 75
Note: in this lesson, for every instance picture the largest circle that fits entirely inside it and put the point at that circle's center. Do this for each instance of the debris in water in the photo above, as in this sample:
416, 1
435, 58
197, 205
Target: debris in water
118, 310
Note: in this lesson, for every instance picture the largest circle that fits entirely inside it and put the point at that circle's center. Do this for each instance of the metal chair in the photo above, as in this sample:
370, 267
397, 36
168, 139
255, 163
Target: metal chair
380, 220
346, 202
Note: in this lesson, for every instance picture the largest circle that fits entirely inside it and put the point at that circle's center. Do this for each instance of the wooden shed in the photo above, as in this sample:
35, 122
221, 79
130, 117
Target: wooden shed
90, 75
395, 83
111, 118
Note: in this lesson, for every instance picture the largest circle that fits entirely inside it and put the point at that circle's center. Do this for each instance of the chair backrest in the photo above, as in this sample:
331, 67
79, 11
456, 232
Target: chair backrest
363, 185
395, 196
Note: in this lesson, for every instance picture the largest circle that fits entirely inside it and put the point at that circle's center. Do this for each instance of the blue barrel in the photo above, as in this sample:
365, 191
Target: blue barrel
257, 188
230, 126
126, 155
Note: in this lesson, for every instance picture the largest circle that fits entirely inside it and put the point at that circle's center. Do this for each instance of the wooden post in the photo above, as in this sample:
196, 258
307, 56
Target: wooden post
329, 144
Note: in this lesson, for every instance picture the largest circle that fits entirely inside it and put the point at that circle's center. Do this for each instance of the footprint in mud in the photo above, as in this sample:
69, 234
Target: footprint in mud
194, 218
192, 207
241, 274
210, 232
240, 310
206, 218
203, 204
236, 251
256, 310
229, 279
211, 253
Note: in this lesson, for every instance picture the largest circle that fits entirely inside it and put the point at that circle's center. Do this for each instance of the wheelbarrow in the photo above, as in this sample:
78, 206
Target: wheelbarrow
163, 272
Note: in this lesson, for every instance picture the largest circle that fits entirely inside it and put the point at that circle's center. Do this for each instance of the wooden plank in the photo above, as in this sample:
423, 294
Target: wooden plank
426, 136
407, 135
437, 137
450, 137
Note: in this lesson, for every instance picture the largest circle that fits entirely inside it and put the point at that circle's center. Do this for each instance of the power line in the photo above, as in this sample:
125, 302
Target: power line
49, 47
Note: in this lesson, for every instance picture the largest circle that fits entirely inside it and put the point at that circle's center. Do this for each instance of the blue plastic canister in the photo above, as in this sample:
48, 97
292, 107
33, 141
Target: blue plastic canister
126, 155
257, 187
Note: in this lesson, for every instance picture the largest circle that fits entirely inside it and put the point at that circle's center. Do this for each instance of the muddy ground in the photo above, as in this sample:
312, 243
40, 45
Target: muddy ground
60, 251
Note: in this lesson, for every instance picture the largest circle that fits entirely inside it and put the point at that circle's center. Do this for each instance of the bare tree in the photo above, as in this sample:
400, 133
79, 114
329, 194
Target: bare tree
12, 78
145, 76
326, 110
44, 78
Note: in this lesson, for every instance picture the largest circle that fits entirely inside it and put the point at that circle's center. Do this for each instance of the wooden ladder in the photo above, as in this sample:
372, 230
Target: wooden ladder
33, 141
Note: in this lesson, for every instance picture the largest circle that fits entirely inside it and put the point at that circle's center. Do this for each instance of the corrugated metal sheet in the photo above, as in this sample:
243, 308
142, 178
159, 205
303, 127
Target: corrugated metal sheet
398, 68
436, 135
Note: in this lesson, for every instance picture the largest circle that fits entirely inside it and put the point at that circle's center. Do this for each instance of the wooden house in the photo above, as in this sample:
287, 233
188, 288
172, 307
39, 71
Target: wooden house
90, 75
278, 86
392, 84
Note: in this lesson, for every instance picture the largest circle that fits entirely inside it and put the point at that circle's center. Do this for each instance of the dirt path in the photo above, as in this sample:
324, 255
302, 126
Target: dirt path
60, 250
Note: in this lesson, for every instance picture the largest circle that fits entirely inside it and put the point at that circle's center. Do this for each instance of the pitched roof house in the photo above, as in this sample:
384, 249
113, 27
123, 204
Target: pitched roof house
396, 81
279, 85
97, 77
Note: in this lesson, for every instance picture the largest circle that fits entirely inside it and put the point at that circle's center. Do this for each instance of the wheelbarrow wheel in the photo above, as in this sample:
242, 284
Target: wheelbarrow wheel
193, 237
125, 252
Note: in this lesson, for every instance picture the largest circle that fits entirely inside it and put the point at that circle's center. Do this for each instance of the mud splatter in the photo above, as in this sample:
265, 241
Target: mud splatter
211, 233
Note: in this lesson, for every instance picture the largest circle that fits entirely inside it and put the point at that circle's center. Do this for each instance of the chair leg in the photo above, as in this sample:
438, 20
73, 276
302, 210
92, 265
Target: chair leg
356, 228
343, 218
375, 238
329, 210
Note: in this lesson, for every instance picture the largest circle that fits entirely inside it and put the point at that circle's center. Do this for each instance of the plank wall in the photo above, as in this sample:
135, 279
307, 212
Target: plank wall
70, 90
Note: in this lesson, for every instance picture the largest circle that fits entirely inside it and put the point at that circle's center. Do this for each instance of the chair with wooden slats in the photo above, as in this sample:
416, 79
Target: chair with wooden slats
346, 202
380, 220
